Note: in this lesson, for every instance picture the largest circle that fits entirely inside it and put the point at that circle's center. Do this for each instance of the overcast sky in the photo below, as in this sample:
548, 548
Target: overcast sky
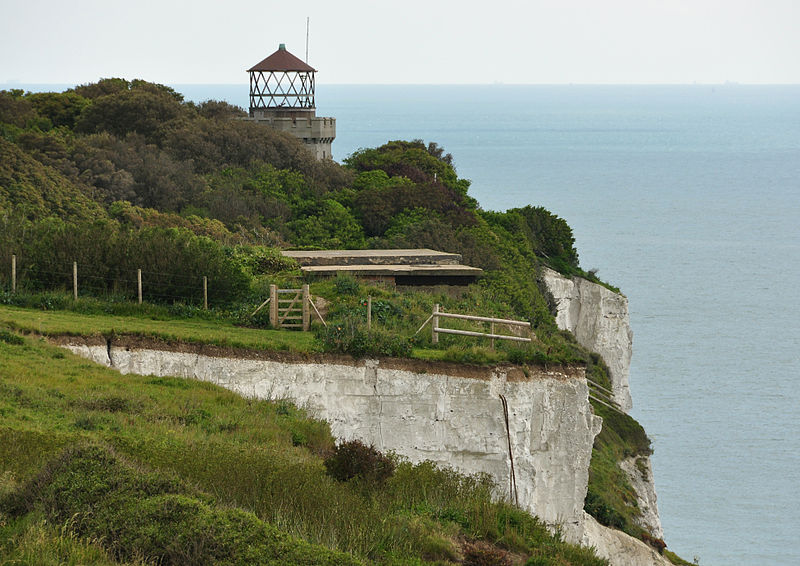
410, 41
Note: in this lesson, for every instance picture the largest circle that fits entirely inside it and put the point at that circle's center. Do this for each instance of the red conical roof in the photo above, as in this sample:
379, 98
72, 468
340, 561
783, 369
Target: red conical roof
282, 60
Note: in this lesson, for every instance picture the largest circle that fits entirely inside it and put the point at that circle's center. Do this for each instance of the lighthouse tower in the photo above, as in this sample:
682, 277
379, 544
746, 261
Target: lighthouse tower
282, 97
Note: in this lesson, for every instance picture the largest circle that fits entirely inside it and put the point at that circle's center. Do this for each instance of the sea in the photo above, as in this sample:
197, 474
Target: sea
688, 199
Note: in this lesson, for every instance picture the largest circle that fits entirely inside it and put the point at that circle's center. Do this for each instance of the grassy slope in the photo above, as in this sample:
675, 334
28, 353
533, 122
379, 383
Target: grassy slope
57, 323
260, 457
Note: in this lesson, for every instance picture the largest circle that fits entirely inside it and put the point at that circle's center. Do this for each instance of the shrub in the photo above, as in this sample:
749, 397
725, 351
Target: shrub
173, 260
604, 513
480, 553
656, 543
354, 459
346, 285
328, 225
11, 338
351, 337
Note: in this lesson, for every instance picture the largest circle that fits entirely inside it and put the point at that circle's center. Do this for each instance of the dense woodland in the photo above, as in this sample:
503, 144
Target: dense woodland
119, 175
134, 162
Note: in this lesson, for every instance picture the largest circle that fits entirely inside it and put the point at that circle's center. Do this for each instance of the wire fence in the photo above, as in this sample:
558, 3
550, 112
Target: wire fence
137, 285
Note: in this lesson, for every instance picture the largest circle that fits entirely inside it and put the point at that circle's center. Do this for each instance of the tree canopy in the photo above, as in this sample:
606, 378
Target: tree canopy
138, 153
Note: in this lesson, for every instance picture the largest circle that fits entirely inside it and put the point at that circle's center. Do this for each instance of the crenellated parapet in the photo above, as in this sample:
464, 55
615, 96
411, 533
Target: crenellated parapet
317, 133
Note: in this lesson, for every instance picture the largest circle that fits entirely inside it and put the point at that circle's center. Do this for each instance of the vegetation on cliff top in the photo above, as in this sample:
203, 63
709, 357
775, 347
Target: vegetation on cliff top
182, 191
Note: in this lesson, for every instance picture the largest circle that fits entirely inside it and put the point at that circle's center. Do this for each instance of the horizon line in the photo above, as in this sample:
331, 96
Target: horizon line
244, 83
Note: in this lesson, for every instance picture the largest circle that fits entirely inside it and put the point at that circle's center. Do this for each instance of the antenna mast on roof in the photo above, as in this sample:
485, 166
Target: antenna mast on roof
307, 20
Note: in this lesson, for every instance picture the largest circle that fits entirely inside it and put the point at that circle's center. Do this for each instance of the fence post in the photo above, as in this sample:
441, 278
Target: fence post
306, 310
139, 284
13, 273
273, 306
75, 280
435, 325
369, 312
491, 331
205, 292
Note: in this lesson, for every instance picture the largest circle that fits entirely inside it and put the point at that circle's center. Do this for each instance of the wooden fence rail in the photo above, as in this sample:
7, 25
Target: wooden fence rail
436, 329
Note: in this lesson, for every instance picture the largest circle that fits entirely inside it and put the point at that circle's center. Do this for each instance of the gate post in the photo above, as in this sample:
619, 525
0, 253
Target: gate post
273, 306
435, 325
306, 310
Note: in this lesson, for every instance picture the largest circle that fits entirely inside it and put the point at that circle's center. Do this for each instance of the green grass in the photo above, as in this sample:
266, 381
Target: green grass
33, 541
675, 559
396, 318
215, 332
238, 461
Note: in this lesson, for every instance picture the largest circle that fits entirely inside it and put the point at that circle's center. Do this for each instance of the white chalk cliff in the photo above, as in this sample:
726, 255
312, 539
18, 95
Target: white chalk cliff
639, 470
599, 320
598, 317
620, 549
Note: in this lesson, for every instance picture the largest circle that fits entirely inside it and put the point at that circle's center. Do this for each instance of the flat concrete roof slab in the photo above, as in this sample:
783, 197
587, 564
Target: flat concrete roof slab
410, 270
374, 257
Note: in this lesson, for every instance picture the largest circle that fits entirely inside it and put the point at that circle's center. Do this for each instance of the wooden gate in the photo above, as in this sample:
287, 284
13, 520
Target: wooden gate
289, 308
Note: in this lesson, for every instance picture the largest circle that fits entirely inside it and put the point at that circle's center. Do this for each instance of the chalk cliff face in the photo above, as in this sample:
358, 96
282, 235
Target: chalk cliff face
449, 414
640, 473
599, 320
620, 549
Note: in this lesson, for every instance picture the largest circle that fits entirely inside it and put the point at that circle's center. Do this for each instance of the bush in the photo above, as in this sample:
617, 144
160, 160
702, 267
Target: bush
11, 338
604, 513
173, 260
656, 543
351, 337
346, 285
355, 459
483, 554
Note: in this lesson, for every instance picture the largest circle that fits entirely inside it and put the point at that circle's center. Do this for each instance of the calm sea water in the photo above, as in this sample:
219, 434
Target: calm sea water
688, 199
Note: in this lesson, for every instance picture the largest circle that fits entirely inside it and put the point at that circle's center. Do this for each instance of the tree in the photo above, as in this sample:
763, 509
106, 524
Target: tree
15, 109
102, 87
415, 161
141, 111
333, 226
62, 109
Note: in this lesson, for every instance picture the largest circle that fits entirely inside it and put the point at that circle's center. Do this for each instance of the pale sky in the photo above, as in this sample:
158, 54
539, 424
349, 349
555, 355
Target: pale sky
411, 41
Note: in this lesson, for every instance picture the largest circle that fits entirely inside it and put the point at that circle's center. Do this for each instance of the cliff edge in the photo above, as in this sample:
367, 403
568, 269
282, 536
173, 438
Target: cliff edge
599, 320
